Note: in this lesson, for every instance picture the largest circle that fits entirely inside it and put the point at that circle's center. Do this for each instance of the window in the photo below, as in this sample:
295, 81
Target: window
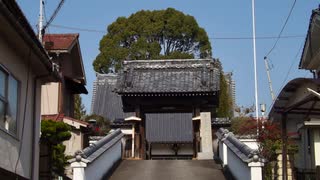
8, 101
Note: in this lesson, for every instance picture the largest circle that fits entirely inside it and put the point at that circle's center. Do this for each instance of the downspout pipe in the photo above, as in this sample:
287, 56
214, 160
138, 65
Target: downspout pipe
34, 121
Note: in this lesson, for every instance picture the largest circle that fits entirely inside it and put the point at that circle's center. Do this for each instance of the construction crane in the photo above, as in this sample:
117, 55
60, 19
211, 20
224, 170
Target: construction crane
42, 28
269, 78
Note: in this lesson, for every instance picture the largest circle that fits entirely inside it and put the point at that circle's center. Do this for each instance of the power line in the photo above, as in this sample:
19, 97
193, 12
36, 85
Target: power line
78, 29
293, 61
259, 37
217, 38
284, 25
287, 74
54, 14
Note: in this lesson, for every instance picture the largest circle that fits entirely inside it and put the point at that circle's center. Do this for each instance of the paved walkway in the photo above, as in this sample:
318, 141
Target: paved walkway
168, 170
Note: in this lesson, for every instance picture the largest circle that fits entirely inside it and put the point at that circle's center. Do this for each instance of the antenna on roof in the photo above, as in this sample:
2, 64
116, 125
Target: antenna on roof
42, 27
40, 24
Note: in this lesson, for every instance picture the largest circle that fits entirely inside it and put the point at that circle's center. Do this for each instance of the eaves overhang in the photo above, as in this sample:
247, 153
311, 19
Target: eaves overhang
11, 11
311, 50
296, 99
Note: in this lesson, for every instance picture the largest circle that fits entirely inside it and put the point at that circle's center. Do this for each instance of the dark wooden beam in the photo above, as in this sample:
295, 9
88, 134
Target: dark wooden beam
195, 130
142, 147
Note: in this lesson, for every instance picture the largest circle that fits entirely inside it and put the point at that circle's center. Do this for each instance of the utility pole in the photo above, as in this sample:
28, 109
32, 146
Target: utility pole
255, 65
40, 24
269, 78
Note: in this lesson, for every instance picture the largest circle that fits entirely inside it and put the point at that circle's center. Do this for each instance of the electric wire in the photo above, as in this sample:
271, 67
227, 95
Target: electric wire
282, 29
290, 68
78, 29
216, 38
54, 14
287, 74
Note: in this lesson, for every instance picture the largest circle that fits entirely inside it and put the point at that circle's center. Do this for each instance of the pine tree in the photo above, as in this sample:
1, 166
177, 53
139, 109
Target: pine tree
53, 133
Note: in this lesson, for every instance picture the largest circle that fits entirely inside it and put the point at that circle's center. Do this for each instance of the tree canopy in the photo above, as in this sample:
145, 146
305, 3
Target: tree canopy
158, 34
225, 100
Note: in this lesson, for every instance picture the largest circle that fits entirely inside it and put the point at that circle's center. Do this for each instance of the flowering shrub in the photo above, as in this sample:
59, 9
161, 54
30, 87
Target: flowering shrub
269, 136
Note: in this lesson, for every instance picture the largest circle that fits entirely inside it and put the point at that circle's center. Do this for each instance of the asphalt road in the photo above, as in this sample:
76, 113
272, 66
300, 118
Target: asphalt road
168, 170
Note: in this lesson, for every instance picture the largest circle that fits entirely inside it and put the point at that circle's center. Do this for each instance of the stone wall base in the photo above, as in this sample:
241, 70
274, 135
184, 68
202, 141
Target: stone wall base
205, 155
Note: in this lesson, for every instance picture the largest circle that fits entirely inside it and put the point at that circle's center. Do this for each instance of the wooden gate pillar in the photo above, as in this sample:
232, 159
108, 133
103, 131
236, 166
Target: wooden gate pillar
196, 131
142, 147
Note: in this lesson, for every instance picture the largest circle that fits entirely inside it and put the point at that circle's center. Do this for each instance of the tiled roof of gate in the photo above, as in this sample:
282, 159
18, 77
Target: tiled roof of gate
169, 76
106, 102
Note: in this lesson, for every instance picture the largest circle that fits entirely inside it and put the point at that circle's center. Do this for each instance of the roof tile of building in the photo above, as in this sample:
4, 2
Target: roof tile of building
60, 117
169, 76
59, 41
315, 47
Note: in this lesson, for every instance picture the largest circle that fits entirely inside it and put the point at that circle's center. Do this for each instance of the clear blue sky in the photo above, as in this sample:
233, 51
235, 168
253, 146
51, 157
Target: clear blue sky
219, 18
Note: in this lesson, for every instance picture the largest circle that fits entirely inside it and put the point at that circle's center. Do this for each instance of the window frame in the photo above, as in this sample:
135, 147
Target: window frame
6, 101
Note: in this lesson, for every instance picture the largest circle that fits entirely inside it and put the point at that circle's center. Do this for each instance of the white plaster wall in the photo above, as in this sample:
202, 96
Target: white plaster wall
239, 169
74, 143
316, 139
126, 131
221, 152
206, 132
10, 144
101, 165
252, 143
50, 98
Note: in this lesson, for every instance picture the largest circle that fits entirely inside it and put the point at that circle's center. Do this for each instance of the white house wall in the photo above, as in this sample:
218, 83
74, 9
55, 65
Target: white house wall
74, 143
316, 139
252, 143
50, 98
104, 163
9, 149
239, 169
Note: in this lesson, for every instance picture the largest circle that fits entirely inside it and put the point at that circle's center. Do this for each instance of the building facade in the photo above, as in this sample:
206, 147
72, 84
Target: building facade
231, 90
297, 110
24, 67
168, 131
57, 100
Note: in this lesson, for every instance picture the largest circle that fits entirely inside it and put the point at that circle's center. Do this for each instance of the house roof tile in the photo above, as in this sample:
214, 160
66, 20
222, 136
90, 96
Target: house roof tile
169, 76
59, 41
61, 117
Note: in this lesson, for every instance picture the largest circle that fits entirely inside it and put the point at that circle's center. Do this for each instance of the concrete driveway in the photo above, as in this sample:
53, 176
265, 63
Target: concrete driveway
168, 170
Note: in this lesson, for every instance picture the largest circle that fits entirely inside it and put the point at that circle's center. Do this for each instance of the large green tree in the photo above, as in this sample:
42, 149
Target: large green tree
159, 34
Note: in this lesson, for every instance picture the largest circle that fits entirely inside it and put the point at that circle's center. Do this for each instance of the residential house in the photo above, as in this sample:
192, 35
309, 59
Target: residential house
297, 107
57, 100
24, 67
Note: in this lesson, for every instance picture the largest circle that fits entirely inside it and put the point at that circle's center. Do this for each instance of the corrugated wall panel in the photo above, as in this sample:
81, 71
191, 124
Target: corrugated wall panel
169, 127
